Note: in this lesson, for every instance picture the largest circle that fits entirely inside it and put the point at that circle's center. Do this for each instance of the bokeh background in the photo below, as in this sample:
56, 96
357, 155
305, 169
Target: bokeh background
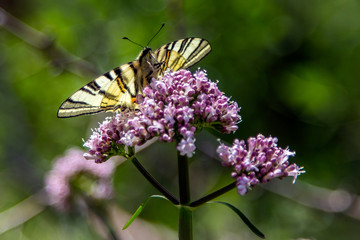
293, 66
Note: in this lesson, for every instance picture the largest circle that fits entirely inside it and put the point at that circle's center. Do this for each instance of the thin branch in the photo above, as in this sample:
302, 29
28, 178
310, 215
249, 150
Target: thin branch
154, 182
100, 211
58, 56
22, 211
213, 195
333, 201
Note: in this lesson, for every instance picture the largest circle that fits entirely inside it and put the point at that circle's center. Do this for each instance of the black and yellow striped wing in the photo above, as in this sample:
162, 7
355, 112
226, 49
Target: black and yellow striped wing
112, 90
182, 53
118, 88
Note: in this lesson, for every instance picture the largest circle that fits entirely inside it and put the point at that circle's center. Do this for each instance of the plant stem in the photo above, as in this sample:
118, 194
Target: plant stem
184, 187
58, 56
154, 182
213, 195
112, 234
185, 223
101, 212
185, 214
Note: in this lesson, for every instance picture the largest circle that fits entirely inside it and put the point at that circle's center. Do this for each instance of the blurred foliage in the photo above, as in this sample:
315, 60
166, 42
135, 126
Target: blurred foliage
293, 67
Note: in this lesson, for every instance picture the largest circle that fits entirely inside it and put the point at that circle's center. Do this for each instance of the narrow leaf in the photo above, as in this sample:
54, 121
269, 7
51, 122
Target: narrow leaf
140, 208
244, 218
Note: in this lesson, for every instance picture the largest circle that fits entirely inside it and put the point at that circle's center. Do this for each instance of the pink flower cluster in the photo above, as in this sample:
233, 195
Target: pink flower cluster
171, 109
259, 162
58, 182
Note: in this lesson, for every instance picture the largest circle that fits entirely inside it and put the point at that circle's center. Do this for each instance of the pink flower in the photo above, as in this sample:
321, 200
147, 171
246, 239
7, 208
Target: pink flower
171, 109
259, 162
187, 147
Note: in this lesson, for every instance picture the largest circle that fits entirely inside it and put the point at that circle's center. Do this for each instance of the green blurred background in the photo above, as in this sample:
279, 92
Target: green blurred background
293, 66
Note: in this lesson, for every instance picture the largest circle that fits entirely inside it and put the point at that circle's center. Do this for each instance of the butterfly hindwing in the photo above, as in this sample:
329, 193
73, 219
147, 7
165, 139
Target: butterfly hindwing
118, 88
123, 88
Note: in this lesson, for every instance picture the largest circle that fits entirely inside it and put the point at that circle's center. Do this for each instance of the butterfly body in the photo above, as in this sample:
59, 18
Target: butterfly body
118, 88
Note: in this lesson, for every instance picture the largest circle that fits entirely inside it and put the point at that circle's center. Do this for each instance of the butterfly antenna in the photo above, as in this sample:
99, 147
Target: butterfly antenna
133, 42
162, 25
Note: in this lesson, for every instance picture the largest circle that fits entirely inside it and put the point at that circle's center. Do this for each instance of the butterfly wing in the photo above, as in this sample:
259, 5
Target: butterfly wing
182, 53
118, 88
113, 90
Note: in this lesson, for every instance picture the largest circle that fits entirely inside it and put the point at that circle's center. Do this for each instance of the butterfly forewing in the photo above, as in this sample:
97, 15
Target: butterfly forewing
182, 53
118, 88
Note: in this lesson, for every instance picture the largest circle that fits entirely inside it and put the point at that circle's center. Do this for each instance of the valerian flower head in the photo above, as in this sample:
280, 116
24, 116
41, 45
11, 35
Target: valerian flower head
172, 109
59, 182
259, 162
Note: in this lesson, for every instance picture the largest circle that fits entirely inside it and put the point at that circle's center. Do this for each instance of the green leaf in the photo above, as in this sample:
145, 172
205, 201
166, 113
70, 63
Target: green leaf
140, 208
244, 218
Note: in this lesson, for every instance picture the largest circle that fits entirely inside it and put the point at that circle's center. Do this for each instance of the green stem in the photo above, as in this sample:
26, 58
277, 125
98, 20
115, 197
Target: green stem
184, 186
185, 223
154, 182
103, 218
213, 195
185, 214
101, 212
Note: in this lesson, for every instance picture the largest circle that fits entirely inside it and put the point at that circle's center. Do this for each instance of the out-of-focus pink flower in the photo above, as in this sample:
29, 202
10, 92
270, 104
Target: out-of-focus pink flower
58, 181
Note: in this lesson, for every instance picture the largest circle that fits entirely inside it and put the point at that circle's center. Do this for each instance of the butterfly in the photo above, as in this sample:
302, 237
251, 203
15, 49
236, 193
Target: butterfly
117, 89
